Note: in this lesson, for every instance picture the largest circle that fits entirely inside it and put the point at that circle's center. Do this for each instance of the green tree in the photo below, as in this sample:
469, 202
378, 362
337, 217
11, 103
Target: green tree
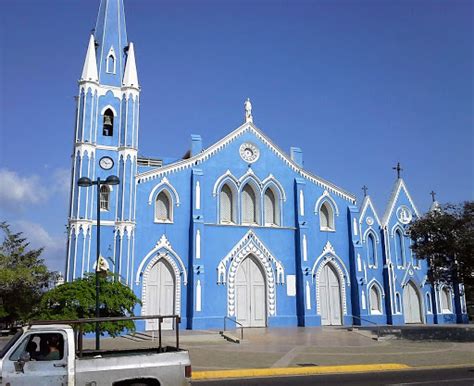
23, 276
445, 236
76, 299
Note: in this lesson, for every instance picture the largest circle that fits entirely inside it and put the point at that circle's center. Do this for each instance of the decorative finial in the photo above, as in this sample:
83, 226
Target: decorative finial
398, 169
433, 195
248, 111
365, 188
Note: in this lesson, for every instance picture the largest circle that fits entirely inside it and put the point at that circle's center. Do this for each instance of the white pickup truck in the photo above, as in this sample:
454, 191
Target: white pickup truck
46, 354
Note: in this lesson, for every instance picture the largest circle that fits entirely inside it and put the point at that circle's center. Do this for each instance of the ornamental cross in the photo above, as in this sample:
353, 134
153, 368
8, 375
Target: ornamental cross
433, 195
365, 188
398, 169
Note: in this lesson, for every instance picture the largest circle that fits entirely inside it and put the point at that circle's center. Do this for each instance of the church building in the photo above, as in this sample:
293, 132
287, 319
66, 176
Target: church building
236, 229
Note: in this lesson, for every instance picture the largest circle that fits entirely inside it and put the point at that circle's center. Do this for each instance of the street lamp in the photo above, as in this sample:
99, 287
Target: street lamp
85, 182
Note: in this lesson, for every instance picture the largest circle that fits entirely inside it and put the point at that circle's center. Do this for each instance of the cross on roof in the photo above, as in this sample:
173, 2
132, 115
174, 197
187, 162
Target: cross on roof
365, 188
433, 195
398, 169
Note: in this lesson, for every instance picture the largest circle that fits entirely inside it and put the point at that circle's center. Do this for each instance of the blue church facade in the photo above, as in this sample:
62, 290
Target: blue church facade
237, 229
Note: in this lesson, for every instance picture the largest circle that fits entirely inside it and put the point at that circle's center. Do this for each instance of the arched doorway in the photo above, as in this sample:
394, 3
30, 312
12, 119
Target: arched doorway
330, 297
411, 304
160, 294
250, 294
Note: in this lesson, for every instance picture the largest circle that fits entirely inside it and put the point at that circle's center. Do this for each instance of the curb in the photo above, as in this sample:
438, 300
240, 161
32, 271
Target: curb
313, 370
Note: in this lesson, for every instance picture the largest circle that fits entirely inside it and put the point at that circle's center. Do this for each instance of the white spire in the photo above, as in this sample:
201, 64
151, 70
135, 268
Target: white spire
89, 72
130, 77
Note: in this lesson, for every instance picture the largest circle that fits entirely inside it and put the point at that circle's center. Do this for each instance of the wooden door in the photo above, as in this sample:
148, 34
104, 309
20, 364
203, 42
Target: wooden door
160, 294
411, 304
250, 294
330, 297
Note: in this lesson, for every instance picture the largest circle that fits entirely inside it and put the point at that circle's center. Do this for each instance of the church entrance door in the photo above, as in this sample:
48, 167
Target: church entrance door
250, 294
411, 304
160, 294
330, 297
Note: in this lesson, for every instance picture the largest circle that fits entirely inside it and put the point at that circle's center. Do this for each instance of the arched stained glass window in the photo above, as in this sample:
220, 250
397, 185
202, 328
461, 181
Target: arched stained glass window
399, 252
226, 207
371, 253
271, 208
163, 209
249, 206
326, 217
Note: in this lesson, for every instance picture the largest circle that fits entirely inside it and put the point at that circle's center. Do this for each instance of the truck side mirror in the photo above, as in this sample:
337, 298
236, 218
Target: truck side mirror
20, 364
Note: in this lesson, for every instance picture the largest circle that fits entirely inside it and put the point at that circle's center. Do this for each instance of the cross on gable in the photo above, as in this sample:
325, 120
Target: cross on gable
398, 169
433, 195
365, 188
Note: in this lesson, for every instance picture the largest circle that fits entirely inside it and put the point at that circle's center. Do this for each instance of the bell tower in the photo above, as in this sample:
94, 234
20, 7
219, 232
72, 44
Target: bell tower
105, 143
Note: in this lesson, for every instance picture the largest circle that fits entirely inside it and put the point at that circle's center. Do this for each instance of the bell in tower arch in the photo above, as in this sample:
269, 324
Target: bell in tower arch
108, 126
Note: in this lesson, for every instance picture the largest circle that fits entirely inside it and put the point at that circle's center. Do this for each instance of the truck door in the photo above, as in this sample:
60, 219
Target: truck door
39, 359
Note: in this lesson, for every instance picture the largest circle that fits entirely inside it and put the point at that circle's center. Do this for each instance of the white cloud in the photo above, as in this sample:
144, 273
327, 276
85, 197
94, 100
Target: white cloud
17, 191
54, 253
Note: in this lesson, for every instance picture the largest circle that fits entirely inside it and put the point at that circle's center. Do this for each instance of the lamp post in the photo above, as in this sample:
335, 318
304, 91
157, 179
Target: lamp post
86, 182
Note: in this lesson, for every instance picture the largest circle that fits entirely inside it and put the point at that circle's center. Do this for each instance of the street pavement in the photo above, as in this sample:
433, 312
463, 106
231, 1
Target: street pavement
302, 347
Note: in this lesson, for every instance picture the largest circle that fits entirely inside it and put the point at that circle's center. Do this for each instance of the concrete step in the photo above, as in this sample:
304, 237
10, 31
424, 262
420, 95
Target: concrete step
229, 337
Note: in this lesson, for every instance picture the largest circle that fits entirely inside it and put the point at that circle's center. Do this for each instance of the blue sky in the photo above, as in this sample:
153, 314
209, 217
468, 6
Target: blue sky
358, 85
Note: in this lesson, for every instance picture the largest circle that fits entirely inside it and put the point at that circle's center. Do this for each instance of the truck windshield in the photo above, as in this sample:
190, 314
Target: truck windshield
10, 343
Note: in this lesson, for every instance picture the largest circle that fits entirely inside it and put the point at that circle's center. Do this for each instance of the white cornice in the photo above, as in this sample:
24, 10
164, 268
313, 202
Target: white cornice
218, 146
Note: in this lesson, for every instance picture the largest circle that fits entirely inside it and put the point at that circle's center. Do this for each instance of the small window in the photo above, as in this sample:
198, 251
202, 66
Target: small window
371, 254
375, 301
429, 308
111, 64
226, 207
399, 252
163, 207
398, 303
271, 209
108, 123
446, 303
249, 206
326, 217
104, 197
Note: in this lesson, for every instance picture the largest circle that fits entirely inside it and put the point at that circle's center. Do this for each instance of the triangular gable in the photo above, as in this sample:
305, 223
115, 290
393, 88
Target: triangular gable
218, 146
412, 274
399, 186
366, 204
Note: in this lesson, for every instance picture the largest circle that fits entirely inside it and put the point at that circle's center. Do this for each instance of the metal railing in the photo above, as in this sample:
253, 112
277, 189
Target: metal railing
78, 327
371, 322
241, 326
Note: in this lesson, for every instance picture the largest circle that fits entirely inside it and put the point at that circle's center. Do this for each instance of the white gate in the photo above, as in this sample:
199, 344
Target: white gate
411, 304
250, 294
330, 297
160, 294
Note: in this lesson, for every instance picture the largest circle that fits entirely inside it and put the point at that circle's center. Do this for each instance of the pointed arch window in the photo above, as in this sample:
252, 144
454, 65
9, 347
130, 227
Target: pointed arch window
375, 300
398, 303
271, 209
226, 206
249, 205
371, 251
446, 303
399, 251
104, 198
110, 64
326, 217
108, 123
429, 307
163, 207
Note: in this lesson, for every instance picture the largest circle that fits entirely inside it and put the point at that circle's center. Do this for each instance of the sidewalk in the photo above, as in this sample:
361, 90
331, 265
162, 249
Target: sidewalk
304, 348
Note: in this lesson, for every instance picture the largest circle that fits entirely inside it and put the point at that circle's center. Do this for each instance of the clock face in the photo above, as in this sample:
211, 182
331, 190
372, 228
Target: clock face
249, 152
106, 163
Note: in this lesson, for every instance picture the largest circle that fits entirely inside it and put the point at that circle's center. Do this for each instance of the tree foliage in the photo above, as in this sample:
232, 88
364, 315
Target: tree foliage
445, 237
23, 276
76, 299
